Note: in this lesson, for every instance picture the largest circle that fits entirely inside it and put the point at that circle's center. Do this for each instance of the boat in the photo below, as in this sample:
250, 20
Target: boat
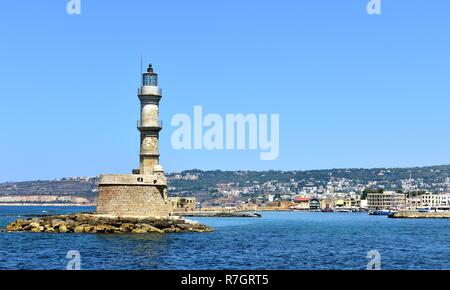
381, 212
424, 209
434, 209
327, 210
343, 210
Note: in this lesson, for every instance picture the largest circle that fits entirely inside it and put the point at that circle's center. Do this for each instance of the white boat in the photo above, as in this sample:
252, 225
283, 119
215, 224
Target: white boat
342, 210
424, 209
444, 208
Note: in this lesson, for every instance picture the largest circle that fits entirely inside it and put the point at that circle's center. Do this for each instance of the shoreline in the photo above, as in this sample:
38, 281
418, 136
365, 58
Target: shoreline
47, 204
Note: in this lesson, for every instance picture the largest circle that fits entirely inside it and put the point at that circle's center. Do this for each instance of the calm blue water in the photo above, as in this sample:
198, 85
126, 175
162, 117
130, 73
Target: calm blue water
286, 240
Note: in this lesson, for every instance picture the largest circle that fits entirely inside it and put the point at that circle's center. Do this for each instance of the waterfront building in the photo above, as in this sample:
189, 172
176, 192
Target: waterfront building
183, 203
343, 202
434, 200
327, 202
386, 200
302, 203
144, 192
314, 203
413, 202
285, 204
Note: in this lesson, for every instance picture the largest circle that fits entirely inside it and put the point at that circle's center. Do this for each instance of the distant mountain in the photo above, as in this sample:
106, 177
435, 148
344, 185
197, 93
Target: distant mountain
393, 176
77, 190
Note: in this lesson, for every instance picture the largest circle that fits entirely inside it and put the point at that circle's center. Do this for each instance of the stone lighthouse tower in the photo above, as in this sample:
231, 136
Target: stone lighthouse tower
149, 124
144, 192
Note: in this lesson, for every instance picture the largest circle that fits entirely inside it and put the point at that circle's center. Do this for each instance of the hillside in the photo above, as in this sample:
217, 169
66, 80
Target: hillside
206, 185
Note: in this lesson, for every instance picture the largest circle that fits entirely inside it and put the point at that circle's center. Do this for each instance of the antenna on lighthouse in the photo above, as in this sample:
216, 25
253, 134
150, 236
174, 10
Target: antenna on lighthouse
141, 62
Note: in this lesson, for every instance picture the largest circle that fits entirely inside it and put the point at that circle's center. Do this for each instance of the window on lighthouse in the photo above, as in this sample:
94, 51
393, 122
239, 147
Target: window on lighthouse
150, 80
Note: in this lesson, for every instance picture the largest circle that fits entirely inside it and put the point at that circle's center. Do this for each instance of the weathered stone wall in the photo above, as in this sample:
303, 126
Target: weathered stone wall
133, 200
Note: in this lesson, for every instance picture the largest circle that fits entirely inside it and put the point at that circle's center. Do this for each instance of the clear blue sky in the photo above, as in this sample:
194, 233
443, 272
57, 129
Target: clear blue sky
352, 90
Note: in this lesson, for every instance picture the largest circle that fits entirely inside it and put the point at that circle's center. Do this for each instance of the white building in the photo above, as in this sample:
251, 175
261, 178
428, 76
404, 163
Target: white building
434, 200
364, 203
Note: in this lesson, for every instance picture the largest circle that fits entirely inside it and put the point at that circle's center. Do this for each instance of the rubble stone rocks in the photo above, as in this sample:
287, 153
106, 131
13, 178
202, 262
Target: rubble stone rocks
92, 223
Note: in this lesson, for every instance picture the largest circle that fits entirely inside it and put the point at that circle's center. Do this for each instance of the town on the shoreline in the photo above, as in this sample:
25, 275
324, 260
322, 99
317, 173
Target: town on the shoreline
420, 189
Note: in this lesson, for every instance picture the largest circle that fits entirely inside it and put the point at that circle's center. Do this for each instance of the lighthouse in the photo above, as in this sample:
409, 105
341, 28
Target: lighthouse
144, 192
149, 124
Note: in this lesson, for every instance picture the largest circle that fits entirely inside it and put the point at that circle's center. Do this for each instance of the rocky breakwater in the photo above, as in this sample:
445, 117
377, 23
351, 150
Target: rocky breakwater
91, 223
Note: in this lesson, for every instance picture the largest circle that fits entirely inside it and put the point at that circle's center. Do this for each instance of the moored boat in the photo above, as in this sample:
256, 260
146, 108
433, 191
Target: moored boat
381, 212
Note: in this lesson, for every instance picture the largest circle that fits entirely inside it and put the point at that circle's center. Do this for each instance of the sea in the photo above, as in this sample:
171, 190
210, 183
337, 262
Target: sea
277, 240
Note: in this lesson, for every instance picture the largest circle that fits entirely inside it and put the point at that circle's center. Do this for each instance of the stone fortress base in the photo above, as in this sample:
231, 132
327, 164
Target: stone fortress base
133, 195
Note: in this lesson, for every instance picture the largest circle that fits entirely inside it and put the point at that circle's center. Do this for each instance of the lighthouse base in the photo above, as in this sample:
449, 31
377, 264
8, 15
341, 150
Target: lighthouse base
133, 195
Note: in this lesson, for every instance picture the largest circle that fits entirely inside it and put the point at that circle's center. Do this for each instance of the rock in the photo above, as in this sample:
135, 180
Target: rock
26, 228
79, 229
117, 224
70, 222
34, 225
163, 224
184, 227
150, 229
105, 229
18, 224
112, 229
70, 226
126, 227
100, 229
139, 231
56, 222
49, 228
89, 229
38, 229
172, 230
14, 226
62, 229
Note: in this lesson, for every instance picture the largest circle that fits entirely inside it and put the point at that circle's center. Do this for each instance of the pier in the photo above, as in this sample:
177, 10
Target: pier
420, 215
217, 214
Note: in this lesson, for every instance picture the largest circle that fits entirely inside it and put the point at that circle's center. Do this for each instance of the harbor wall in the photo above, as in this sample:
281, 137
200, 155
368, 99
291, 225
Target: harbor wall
415, 214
